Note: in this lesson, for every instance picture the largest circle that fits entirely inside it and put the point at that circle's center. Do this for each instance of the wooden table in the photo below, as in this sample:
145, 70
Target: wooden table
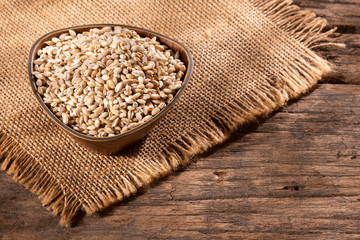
296, 175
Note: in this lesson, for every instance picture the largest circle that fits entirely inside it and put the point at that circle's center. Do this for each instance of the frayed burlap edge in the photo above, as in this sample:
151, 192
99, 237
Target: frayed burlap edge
26, 170
295, 80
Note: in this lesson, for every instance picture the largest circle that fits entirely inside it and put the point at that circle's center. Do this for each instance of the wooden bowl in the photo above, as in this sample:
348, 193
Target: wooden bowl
109, 145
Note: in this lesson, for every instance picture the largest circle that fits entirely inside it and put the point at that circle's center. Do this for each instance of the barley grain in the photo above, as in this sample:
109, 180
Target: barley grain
106, 81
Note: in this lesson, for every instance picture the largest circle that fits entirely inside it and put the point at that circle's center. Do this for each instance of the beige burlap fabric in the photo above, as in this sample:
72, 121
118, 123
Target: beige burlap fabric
250, 57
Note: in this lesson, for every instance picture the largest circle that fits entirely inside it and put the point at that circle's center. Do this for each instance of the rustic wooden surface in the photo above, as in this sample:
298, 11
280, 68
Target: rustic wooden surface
295, 176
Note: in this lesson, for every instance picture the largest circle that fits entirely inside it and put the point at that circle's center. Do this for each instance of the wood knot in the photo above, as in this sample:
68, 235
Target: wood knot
294, 188
219, 176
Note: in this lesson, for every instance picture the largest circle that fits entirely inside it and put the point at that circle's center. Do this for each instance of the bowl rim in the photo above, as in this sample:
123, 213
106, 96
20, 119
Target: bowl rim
88, 137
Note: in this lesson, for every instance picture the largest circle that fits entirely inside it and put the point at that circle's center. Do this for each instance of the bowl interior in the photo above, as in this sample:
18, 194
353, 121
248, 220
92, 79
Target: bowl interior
185, 56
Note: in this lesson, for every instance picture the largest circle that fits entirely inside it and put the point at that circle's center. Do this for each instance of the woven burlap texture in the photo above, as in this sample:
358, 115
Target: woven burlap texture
250, 57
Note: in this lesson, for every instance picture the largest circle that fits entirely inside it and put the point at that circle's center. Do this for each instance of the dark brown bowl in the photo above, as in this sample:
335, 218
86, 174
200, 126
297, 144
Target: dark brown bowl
109, 145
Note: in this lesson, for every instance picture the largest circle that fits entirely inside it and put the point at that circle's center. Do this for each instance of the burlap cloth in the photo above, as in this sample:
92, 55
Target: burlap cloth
250, 57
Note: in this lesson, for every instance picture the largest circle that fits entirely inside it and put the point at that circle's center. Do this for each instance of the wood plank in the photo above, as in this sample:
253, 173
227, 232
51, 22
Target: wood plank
296, 175
338, 12
345, 15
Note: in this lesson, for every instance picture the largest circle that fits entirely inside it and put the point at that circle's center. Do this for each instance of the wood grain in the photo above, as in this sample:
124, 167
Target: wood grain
295, 175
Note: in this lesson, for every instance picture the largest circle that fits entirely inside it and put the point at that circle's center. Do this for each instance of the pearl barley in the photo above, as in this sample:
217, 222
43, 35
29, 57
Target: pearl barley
107, 81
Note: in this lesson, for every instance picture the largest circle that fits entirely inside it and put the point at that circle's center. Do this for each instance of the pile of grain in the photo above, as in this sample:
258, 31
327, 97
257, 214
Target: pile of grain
106, 81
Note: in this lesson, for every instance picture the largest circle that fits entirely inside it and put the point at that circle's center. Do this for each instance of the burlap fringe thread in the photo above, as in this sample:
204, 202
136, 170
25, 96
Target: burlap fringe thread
293, 81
